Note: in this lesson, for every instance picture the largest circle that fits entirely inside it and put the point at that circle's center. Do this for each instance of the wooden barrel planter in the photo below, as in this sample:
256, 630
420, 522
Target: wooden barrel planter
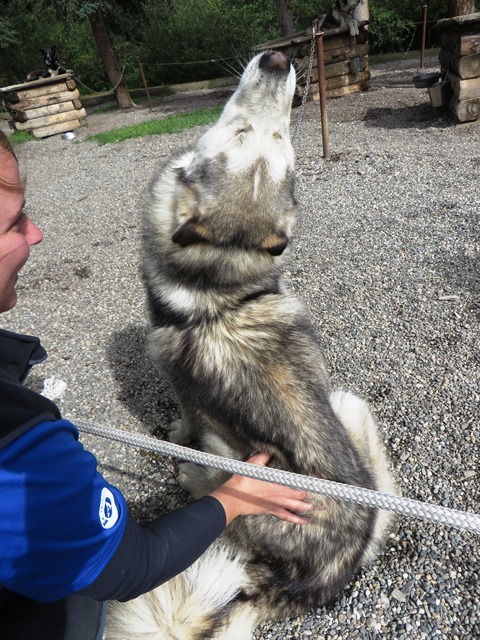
460, 64
44, 107
346, 60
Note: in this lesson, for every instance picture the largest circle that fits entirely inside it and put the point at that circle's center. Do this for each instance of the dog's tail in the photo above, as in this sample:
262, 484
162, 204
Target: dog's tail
204, 602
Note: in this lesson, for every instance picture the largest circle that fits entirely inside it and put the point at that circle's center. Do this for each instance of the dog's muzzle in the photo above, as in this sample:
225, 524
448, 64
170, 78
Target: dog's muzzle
274, 61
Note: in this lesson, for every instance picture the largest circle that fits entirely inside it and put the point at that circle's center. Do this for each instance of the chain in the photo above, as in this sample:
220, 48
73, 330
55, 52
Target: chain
307, 85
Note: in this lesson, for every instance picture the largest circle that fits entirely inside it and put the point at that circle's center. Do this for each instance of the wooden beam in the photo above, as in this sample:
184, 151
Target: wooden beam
30, 94
460, 22
345, 53
464, 66
338, 69
54, 129
26, 104
37, 83
466, 45
46, 121
341, 91
467, 110
464, 89
303, 37
48, 110
349, 78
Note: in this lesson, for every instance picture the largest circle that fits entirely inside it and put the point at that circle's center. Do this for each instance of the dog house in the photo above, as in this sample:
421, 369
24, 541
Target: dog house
45, 107
346, 60
460, 64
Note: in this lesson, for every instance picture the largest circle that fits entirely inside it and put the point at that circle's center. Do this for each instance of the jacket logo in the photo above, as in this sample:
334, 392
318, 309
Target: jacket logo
108, 511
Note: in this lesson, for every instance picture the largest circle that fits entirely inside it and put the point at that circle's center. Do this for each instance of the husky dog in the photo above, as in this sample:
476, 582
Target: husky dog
242, 357
53, 66
339, 14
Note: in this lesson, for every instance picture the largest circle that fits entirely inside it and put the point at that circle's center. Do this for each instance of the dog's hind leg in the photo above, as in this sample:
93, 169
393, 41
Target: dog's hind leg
355, 415
200, 481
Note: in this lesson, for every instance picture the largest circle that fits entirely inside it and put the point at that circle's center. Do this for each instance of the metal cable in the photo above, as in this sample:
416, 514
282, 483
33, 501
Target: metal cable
367, 497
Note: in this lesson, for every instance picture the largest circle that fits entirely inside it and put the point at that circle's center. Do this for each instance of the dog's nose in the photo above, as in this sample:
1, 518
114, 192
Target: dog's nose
274, 61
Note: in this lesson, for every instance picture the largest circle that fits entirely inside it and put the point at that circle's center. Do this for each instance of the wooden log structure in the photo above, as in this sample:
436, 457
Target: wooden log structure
460, 63
346, 60
45, 107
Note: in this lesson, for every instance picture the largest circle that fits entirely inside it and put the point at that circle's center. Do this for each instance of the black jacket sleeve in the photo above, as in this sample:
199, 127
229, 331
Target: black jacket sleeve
153, 553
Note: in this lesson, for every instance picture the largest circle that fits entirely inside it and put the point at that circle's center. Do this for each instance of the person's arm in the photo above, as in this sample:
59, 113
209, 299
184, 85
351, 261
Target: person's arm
151, 554
65, 529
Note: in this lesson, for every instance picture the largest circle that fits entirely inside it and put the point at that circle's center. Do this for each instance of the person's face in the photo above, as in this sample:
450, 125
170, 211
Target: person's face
17, 233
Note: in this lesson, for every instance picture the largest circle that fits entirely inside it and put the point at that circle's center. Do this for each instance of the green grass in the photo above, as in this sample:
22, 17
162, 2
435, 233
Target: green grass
19, 137
171, 124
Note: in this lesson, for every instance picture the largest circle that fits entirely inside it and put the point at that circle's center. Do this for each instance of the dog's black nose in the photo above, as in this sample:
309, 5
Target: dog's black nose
274, 61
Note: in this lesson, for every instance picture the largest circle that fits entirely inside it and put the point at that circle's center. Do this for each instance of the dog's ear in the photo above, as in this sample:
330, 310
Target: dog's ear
190, 232
275, 243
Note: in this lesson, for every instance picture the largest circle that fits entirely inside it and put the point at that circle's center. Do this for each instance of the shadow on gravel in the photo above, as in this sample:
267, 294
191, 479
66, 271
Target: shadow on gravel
461, 272
142, 390
411, 117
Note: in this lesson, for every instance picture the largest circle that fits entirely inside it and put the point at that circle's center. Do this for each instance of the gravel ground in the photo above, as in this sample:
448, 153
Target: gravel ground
386, 256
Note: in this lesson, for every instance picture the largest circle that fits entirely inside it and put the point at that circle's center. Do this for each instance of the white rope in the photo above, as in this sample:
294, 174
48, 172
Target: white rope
367, 497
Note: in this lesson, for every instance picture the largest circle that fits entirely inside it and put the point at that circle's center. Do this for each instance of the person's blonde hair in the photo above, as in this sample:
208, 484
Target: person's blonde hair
6, 147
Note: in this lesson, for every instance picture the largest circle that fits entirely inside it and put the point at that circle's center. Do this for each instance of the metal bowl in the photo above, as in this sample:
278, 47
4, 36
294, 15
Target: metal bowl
424, 80
68, 135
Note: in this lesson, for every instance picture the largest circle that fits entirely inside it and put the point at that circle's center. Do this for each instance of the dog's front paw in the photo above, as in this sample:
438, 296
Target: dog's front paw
192, 478
178, 434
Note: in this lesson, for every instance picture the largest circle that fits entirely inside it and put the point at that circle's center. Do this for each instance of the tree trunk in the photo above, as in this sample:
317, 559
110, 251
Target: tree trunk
107, 54
460, 7
284, 12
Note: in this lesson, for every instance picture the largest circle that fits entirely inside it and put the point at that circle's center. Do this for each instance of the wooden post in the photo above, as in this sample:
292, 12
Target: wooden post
145, 84
322, 85
424, 36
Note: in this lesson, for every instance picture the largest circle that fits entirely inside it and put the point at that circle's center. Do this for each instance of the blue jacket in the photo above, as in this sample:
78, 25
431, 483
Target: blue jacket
63, 527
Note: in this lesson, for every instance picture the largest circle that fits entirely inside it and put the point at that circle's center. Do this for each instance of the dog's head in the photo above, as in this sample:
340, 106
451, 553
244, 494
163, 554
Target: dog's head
236, 188
50, 57
348, 6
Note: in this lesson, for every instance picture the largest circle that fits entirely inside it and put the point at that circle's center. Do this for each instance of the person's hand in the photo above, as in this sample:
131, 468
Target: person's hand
242, 496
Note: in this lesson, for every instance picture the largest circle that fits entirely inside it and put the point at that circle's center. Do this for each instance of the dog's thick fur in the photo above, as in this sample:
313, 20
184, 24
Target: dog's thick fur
243, 360
340, 13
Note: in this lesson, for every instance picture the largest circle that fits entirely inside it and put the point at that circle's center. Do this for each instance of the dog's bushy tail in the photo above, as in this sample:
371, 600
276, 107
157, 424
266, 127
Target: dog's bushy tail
204, 602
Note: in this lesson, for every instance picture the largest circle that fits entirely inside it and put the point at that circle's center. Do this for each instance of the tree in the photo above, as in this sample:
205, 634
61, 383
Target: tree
107, 54
460, 7
285, 17
94, 12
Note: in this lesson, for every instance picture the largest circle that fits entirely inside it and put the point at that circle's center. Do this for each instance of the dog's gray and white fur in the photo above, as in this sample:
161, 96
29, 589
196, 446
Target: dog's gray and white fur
242, 357
342, 12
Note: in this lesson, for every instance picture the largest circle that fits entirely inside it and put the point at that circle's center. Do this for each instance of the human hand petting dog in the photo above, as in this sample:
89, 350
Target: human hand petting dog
242, 496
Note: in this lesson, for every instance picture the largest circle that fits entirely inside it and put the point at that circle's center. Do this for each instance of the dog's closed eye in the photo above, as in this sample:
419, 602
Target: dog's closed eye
246, 129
